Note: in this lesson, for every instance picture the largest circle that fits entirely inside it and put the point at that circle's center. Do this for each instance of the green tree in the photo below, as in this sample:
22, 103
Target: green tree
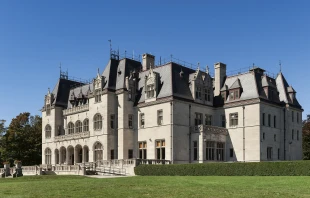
22, 140
306, 140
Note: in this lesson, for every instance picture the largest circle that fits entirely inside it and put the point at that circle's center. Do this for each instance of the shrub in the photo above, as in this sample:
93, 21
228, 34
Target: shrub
286, 168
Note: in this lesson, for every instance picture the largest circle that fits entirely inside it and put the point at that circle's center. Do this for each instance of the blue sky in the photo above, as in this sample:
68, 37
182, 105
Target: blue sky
35, 36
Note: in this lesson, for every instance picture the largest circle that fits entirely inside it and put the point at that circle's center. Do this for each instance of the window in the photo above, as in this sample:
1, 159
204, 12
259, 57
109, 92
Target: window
71, 128
223, 94
78, 126
231, 95
269, 120
207, 95
293, 134
97, 122
130, 94
142, 120
142, 150
112, 121
112, 154
231, 152
48, 110
263, 118
297, 117
48, 156
223, 118
297, 135
97, 96
275, 137
208, 119
98, 151
160, 149
269, 153
130, 118
210, 150
48, 131
220, 151
86, 125
198, 119
292, 116
263, 136
150, 91
274, 121
234, 94
278, 153
160, 117
198, 93
195, 145
130, 153
233, 119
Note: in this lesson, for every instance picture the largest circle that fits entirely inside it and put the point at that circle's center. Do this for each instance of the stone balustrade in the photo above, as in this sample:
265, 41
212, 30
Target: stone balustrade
77, 109
209, 129
72, 136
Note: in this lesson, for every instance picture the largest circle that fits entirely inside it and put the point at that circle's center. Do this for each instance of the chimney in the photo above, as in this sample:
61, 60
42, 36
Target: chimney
219, 77
148, 61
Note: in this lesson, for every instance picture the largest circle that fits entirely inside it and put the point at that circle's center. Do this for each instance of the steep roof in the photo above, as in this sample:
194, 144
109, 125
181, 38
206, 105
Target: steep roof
124, 68
110, 74
283, 89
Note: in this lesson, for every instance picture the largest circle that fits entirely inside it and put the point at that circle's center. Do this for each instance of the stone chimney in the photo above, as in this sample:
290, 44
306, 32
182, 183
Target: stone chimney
148, 61
219, 77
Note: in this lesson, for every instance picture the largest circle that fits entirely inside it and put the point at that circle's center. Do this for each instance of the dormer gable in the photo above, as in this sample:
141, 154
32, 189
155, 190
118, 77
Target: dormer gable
151, 85
292, 93
235, 90
224, 92
98, 82
270, 88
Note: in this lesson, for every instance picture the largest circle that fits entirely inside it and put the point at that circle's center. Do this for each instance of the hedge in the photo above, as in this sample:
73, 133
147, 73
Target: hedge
286, 168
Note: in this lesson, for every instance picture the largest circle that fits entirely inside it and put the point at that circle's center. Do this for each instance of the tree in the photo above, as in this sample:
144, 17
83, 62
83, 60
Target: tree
306, 140
23, 139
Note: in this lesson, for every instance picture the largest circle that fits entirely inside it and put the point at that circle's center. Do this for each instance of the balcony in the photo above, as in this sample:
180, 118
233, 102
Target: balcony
72, 136
209, 129
77, 109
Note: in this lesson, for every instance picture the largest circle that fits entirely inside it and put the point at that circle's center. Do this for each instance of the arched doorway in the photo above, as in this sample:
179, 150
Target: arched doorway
56, 156
70, 155
62, 155
98, 151
85, 154
78, 153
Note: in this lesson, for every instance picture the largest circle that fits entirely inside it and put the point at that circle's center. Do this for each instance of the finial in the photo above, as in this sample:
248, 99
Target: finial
280, 64
198, 66
48, 92
98, 70
253, 65
207, 69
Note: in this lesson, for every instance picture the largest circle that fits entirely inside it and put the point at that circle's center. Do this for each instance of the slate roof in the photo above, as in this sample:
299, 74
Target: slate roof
76, 91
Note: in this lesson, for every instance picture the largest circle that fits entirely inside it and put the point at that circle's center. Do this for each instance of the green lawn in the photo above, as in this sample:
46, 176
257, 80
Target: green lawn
162, 186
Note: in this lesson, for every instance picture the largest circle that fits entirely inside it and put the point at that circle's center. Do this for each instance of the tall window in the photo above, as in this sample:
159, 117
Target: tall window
233, 119
278, 153
71, 128
130, 120
86, 125
112, 121
160, 149
274, 121
48, 156
297, 135
292, 116
195, 146
98, 151
207, 95
97, 96
269, 153
150, 91
263, 136
293, 134
198, 93
208, 119
130, 153
210, 150
160, 117
48, 131
97, 122
269, 120
263, 119
142, 120
142, 150
231, 152
78, 126
223, 119
275, 137
112, 154
297, 117
220, 151
198, 119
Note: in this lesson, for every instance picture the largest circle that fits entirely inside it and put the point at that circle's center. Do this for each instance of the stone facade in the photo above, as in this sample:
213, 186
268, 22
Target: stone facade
170, 112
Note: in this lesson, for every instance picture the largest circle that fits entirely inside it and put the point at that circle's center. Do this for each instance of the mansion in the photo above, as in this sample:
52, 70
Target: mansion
136, 110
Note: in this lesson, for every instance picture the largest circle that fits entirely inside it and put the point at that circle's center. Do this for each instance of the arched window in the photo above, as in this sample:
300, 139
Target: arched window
97, 122
86, 125
78, 126
48, 156
48, 131
70, 128
98, 151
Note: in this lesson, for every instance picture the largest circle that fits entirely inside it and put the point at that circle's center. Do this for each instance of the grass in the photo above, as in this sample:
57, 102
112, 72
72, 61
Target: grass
147, 186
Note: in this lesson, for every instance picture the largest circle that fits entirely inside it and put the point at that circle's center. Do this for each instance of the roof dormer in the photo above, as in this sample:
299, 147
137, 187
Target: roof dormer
235, 90
151, 88
99, 82
291, 92
131, 85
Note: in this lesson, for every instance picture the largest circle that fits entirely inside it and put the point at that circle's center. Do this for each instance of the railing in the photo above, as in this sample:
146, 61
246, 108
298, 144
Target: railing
152, 161
77, 109
72, 136
66, 168
210, 129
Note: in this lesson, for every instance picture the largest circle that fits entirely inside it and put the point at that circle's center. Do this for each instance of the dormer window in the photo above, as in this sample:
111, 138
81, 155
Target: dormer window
207, 95
97, 96
150, 91
198, 93
151, 85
